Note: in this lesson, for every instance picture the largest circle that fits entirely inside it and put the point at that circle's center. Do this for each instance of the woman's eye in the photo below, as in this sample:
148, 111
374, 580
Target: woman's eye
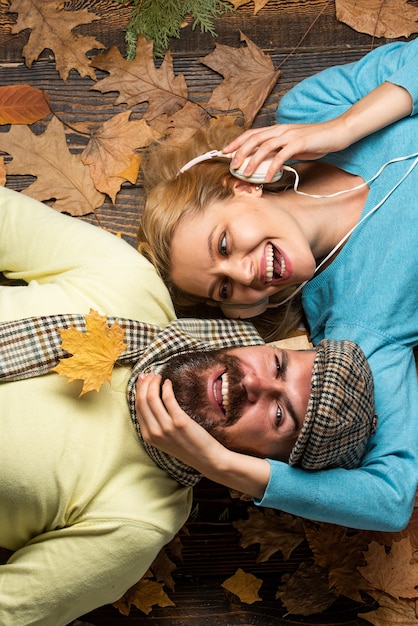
223, 291
223, 245
279, 415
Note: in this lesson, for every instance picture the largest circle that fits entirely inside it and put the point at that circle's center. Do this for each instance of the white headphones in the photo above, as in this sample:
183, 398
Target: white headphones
245, 311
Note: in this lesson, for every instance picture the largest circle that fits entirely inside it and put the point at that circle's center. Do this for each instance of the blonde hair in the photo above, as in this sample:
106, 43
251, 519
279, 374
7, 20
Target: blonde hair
171, 197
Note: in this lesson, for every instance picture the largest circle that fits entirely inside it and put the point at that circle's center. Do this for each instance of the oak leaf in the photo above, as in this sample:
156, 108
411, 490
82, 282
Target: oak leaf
340, 553
244, 585
110, 152
2, 173
306, 591
273, 532
249, 77
391, 19
393, 612
61, 176
140, 81
51, 27
22, 104
94, 352
145, 594
392, 572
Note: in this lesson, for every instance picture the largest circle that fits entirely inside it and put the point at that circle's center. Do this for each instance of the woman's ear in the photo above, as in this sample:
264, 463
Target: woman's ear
242, 187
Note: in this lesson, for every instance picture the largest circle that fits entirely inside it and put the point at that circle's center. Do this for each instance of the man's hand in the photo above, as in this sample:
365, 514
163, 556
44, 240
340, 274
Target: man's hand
166, 426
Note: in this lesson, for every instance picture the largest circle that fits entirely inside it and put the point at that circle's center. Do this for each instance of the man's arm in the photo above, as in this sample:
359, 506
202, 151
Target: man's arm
65, 573
70, 266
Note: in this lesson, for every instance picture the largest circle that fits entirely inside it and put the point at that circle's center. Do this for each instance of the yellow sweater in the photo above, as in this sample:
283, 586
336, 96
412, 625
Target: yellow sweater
81, 504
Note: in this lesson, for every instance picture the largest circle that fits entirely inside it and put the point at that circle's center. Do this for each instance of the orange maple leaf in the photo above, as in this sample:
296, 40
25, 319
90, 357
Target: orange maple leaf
94, 352
140, 81
51, 27
22, 104
249, 76
110, 152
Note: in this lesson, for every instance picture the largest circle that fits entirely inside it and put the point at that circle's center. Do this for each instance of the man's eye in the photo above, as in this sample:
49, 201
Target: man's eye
279, 415
222, 247
278, 367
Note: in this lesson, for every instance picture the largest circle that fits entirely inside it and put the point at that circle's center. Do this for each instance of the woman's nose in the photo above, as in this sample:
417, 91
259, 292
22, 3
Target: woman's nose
241, 270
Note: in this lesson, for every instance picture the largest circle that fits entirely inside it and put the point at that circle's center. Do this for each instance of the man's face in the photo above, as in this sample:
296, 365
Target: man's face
252, 399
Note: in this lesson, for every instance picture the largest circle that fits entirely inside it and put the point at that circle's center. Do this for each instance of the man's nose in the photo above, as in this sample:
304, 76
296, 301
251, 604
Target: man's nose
258, 387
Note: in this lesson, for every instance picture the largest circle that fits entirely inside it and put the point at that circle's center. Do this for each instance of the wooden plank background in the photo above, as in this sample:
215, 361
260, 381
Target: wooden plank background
302, 37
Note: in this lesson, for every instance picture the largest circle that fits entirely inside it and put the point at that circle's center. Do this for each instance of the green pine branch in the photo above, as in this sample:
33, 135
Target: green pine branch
160, 20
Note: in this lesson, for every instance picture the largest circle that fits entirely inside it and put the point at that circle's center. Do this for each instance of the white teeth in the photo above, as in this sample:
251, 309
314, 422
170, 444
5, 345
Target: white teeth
225, 392
270, 264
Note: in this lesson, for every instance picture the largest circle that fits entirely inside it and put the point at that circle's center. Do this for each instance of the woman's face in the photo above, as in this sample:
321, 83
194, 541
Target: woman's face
240, 249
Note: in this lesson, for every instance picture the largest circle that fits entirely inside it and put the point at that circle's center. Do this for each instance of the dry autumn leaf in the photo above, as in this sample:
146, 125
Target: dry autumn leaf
249, 77
244, 585
273, 532
183, 124
392, 572
110, 152
51, 27
94, 352
22, 104
392, 18
61, 176
340, 553
140, 81
145, 594
306, 591
392, 612
2, 172
258, 4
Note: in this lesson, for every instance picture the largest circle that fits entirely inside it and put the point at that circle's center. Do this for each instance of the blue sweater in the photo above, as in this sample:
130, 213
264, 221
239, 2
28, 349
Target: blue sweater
369, 294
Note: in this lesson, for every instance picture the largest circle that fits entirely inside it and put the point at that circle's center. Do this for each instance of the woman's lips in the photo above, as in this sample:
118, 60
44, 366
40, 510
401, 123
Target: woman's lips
276, 264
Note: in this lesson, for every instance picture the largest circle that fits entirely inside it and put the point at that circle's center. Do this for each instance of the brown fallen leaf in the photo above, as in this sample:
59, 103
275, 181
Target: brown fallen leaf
61, 176
94, 352
2, 173
306, 591
273, 532
51, 27
180, 126
340, 553
391, 18
392, 572
258, 4
22, 104
110, 152
145, 594
140, 81
249, 77
392, 612
162, 567
244, 585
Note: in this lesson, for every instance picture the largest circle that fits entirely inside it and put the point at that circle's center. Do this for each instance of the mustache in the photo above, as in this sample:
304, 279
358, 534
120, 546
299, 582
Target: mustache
188, 374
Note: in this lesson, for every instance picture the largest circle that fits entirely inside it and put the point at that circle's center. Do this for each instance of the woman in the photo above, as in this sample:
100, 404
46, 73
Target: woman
221, 238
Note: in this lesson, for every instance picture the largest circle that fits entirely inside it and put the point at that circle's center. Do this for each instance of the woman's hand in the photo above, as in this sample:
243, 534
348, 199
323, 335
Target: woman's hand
287, 141
166, 426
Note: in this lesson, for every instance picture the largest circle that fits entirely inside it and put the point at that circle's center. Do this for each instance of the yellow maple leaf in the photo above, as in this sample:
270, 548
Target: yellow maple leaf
145, 594
243, 585
94, 352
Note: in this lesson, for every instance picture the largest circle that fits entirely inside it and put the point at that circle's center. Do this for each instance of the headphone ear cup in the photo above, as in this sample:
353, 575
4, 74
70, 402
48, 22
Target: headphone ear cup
244, 311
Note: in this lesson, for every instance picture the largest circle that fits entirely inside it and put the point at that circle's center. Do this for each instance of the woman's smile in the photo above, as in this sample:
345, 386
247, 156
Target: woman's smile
240, 250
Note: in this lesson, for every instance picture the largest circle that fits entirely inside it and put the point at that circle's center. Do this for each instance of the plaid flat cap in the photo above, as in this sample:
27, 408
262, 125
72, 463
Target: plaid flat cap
340, 417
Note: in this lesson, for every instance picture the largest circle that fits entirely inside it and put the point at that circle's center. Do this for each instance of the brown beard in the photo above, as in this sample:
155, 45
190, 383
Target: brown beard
187, 374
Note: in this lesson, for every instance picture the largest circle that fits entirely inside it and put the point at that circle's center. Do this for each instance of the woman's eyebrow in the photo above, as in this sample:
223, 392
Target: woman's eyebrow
212, 257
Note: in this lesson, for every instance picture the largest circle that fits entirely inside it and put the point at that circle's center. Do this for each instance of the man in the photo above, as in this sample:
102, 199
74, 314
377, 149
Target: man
84, 505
